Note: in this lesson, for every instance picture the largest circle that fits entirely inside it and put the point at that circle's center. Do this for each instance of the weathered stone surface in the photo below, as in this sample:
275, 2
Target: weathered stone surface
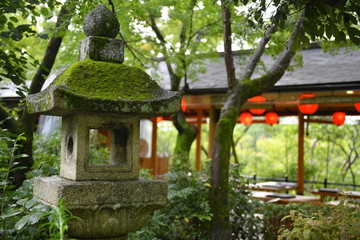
110, 208
101, 22
102, 49
93, 86
124, 148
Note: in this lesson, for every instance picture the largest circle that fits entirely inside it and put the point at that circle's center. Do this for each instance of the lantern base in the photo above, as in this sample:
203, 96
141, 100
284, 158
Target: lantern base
107, 209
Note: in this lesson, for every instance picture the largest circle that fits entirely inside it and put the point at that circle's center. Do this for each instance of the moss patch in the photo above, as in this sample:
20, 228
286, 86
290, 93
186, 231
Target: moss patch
108, 81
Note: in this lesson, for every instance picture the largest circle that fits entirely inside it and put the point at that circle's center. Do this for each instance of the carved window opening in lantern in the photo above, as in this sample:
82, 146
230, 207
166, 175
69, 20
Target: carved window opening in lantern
246, 118
307, 108
257, 99
108, 146
339, 118
99, 146
271, 118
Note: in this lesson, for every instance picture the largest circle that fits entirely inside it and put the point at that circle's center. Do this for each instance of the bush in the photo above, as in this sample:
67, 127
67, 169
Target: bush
187, 213
334, 222
22, 216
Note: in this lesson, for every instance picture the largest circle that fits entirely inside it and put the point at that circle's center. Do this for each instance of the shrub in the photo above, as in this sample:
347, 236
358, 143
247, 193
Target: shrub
22, 216
334, 222
187, 214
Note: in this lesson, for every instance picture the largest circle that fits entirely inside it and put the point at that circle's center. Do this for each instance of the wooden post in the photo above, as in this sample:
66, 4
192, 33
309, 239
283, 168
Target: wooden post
300, 172
214, 117
154, 146
198, 140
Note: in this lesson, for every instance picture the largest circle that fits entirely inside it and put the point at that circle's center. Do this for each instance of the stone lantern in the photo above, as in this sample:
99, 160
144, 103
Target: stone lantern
99, 92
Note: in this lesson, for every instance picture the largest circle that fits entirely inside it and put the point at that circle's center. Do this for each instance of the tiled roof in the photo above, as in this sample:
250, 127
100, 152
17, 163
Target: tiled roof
318, 68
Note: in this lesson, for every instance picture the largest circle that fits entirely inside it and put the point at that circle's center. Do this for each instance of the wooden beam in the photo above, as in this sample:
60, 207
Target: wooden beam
300, 171
198, 140
319, 121
331, 99
264, 105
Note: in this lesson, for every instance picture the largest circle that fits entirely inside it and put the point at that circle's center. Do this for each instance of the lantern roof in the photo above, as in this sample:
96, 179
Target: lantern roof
100, 82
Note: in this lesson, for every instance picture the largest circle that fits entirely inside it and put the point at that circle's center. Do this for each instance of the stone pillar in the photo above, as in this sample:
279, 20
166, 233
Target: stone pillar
100, 93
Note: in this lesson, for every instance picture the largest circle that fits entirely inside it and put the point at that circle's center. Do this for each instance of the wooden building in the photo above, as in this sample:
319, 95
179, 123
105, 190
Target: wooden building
333, 80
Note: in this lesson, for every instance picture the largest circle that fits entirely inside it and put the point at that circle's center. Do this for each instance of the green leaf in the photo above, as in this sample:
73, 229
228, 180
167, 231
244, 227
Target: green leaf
14, 19
11, 213
328, 31
341, 37
353, 31
31, 203
350, 18
44, 11
28, 219
304, 40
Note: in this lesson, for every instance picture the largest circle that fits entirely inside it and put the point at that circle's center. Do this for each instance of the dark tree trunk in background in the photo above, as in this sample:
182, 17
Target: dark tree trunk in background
26, 124
186, 132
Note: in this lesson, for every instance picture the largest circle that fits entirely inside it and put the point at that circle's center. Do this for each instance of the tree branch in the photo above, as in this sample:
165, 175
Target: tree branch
174, 79
52, 50
229, 60
191, 22
250, 67
279, 67
130, 49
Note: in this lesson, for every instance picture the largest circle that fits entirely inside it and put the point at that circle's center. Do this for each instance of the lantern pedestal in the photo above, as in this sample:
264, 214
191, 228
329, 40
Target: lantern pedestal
107, 208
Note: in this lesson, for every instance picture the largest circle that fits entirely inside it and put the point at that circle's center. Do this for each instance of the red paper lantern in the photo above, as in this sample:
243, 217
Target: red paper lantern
159, 119
308, 108
339, 118
357, 106
246, 118
183, 105
271, 118
257, 99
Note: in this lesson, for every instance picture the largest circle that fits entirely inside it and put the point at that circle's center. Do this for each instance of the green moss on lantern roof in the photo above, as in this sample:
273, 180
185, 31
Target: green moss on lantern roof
108, 81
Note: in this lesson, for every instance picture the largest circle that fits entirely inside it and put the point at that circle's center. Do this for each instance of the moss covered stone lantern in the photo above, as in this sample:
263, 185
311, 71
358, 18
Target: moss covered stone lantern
100, 93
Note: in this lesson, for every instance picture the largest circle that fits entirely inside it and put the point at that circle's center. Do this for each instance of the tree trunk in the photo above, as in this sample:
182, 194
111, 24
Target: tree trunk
239, 92
186, 136
186, 132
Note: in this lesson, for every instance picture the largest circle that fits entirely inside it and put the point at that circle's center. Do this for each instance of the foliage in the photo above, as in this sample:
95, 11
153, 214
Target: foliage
330, 150
46, 155
18, 20
59, 217
245, 215
187, 214
275, 216
22, 216
8, 147
325, 20
339, 222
